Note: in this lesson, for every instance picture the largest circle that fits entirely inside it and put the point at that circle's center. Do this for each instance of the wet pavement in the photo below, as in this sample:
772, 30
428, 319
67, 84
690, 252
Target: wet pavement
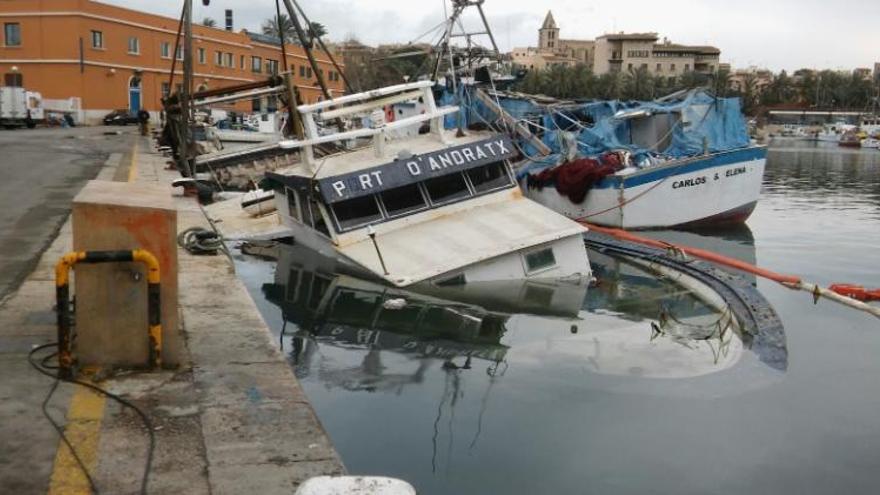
43, 169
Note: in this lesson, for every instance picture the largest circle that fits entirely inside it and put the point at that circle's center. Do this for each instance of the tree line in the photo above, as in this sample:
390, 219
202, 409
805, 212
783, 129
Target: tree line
808, 89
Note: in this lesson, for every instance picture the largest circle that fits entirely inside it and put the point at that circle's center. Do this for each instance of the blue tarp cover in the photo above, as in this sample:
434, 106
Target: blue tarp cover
718, 122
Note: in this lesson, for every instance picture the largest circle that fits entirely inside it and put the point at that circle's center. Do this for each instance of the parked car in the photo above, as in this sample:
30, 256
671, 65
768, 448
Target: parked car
120, 117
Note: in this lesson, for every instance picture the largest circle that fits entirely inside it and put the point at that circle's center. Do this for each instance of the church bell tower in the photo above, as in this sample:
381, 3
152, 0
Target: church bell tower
548, 35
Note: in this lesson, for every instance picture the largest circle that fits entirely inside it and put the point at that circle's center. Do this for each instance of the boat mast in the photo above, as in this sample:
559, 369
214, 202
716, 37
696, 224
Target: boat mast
444, 46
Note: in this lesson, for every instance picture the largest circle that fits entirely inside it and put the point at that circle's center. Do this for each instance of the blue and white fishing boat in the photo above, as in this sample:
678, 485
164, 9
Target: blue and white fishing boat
683, 160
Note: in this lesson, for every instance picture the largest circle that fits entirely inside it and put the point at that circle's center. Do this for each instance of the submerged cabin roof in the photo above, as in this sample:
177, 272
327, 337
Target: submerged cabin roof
461, 238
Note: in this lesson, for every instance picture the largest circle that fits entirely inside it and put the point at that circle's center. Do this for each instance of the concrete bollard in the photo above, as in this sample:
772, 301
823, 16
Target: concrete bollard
111, 299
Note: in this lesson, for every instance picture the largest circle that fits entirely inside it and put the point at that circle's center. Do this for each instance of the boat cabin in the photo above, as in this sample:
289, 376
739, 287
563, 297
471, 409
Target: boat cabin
436, 204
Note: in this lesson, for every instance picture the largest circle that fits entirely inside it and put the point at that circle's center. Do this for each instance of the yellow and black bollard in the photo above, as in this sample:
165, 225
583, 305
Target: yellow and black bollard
62, 296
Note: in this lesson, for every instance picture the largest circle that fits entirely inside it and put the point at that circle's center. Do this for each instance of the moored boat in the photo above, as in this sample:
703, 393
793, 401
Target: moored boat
685, 160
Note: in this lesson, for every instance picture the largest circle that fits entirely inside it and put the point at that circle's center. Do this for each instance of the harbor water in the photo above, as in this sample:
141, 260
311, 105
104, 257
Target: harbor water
516, 389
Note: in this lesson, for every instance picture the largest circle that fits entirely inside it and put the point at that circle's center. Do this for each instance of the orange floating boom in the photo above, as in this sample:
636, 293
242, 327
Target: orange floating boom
698, 253
792, 282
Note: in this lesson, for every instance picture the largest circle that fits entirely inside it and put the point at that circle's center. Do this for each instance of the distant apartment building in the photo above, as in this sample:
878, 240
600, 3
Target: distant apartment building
616, 53
116, 58
752, 80
863, 73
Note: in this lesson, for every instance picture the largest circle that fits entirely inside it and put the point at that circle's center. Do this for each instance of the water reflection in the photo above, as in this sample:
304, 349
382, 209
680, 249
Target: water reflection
817, 170
632, 323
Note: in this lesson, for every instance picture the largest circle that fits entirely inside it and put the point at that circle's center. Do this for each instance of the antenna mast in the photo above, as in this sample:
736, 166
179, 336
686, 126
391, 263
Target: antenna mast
455, 29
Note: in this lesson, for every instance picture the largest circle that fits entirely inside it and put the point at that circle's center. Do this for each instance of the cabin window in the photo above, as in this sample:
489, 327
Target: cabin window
447, 188
539, 260
320, 284
292, 285
457, 279
402, 200
291, 204
356, 212
488, 178
12, 34
311, 214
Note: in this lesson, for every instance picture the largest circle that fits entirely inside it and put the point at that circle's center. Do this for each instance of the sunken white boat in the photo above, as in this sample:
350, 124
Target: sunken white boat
437, 206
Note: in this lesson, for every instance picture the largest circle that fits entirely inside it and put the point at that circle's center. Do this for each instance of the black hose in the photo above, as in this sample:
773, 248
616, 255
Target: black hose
42, 368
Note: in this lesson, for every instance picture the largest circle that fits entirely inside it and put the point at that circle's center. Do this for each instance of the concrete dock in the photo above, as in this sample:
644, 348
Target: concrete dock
233, 419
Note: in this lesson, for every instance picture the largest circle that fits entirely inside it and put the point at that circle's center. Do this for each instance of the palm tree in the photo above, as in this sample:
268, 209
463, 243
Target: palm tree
208, 22
270, 28
317, 30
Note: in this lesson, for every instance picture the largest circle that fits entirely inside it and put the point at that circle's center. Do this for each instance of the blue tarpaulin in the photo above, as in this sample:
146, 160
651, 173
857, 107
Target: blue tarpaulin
702, 123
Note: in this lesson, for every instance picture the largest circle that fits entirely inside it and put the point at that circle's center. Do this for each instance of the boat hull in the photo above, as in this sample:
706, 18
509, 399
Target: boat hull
701, 191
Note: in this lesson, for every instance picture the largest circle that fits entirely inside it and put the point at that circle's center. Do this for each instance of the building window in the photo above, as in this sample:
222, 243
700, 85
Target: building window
13, 79
256, 104
230, 61
659, 67
687, 67
165, 49
179, 53
241, 62
218, 59
550, 44
256, 64
12, 34
272, 66
203, 56
97, 39
166, 89
302, 71
629, 66
672, 67
134, 46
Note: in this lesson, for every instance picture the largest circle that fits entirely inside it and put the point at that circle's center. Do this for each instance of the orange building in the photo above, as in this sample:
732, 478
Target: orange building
113, 58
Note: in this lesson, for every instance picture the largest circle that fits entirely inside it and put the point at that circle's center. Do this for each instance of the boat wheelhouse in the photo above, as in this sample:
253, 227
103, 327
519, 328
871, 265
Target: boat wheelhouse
438, 205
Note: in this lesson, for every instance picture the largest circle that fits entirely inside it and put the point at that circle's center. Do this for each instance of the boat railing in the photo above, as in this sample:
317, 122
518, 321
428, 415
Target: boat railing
368, 102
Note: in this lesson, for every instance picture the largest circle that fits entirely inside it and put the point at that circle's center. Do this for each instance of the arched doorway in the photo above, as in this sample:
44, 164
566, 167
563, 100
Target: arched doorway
134, 94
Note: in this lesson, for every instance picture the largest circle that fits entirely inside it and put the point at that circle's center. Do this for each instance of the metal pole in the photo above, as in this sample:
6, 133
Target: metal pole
186, 113
305, 44
324, 47
488, 30
293, 118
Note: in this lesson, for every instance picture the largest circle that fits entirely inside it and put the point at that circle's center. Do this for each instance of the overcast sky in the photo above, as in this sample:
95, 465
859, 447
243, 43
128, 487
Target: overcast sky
777, 34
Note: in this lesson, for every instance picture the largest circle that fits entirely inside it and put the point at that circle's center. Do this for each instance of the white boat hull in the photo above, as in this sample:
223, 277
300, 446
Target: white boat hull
715, 189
